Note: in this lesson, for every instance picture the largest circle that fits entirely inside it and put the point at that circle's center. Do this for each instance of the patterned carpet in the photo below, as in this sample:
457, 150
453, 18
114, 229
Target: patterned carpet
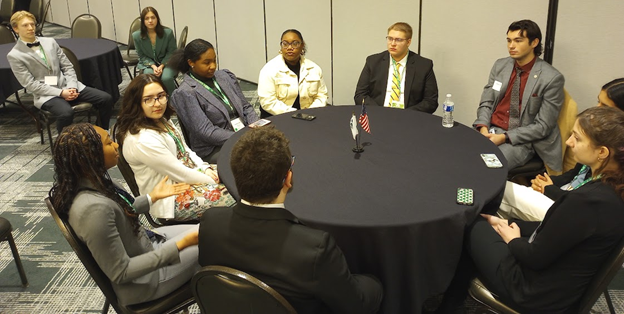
58, 281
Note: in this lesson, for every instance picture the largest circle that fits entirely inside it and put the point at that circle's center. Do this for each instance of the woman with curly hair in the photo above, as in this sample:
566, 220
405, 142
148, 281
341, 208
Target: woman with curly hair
142, 265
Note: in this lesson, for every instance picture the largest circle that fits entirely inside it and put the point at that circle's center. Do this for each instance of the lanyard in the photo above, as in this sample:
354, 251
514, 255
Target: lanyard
127, 201
45, 59
583, 170
396, 72
220, 94
175, 139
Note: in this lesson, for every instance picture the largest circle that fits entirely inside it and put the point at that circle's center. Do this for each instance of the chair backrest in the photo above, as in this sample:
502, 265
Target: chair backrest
6, 10
124, 167
220, 289
44, 16
86, 26
36, 8
183, 36
135, 26
83, 253
567, 116
74, 61
185, 133
603, 277
6, 36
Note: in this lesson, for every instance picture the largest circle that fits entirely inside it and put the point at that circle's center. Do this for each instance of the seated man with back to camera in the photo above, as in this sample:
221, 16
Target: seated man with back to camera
520, 103
42, 68
261, 237
398, 77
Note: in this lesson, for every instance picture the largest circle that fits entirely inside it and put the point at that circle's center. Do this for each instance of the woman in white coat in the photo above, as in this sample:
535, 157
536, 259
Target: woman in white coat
289, 81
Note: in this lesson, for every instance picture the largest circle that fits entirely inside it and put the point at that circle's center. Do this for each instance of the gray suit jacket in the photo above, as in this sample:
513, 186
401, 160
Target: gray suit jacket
541, 102
30, 70
128, 260
204, 116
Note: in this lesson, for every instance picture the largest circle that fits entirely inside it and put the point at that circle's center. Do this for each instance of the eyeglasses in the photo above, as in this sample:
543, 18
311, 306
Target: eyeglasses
151, 101
295, 44
396, 40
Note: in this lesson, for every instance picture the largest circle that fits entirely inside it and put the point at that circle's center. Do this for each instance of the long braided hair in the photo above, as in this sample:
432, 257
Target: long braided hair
78, 155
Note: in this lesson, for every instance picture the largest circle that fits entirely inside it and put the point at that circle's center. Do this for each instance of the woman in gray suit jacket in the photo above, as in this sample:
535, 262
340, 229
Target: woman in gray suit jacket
142, 265
155, 44
209, 103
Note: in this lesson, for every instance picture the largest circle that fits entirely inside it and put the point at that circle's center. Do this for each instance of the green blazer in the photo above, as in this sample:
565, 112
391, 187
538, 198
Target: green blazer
165, 47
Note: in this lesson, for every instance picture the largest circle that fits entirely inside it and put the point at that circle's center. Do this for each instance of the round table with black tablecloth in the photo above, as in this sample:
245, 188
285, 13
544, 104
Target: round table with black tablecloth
392, 208
100, 64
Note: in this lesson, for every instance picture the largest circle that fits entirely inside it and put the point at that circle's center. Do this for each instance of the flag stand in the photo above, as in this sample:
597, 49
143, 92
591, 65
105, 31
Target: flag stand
358, 148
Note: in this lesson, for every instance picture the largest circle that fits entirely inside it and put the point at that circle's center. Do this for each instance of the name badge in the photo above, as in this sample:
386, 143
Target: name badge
237, 124
397, 104
497, 86
50, 80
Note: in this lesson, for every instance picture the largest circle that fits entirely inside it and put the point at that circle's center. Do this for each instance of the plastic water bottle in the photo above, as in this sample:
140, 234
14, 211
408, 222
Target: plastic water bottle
448, 107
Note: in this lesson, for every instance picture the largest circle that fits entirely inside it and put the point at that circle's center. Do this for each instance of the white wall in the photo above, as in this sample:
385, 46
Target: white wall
360, 29
315, 27
464, 38
198, 15
240, 36
589, 47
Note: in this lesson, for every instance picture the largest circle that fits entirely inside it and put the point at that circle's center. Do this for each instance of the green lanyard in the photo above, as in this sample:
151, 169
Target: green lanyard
584, 181
175, 139
127, 201
220, 94
45, 60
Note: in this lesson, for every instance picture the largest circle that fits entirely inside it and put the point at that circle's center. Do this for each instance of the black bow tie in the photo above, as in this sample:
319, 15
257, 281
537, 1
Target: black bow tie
35, 44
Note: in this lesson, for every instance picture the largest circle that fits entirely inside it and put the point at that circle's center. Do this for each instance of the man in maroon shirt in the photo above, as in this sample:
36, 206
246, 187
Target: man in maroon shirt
520, 103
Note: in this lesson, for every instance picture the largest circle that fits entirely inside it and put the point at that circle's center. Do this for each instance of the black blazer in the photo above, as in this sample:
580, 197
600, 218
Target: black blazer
303, 264
421, 88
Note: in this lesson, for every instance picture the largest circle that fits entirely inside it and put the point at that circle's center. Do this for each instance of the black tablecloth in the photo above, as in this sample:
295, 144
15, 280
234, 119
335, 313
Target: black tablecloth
100, 64
391, 208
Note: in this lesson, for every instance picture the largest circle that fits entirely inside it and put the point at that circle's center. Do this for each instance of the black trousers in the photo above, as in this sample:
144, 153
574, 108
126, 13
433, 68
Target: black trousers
64, 114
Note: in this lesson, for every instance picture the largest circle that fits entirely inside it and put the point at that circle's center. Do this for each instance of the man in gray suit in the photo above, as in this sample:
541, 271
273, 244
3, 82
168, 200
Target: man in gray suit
42, 68
520, 103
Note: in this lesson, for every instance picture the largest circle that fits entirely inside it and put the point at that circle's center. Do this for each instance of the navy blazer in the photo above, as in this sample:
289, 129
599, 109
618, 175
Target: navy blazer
204, 116
421, 87
303, 264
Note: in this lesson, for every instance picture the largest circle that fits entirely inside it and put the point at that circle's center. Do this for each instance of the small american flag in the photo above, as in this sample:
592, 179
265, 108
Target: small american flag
364, 119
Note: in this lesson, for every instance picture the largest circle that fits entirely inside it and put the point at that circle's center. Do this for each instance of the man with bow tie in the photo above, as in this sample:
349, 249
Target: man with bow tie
42, 68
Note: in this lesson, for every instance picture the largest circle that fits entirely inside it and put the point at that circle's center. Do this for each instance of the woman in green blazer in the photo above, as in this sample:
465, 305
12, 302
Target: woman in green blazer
155, 44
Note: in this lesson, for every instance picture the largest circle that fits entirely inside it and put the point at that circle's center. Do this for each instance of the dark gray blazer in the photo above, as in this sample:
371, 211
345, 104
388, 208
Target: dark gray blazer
30, 70
303, 264
421, 87
541, 102
204, 116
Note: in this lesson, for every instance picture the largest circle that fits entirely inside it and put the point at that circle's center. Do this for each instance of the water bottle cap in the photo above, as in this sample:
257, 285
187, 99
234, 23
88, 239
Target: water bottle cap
448, 95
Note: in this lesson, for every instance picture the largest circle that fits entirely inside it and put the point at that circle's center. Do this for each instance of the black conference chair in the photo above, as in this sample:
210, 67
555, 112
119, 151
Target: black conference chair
177, 301
598, 285
86, 26
6, 235
183, 36
128, 58
39, 8
220, 289
6, 10
47, 117
527, 171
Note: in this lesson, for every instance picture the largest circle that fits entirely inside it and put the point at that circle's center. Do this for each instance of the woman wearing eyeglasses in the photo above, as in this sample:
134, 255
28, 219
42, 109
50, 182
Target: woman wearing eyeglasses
289, 81
154, 148
210, 104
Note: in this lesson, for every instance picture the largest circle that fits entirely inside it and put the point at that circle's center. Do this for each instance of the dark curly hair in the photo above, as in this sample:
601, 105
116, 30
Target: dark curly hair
530, 30
131, 116
78, 156
605, 127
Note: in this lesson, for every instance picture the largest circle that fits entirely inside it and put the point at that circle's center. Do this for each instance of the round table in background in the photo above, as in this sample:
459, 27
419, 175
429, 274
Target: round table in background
100, 65
392, 208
